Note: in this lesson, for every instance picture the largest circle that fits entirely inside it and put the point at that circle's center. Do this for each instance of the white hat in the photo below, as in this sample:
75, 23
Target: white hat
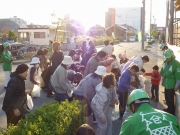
67, 60
101, 70
35, 60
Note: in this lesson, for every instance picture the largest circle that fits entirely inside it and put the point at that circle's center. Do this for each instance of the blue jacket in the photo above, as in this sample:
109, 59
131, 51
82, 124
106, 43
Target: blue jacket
124, 82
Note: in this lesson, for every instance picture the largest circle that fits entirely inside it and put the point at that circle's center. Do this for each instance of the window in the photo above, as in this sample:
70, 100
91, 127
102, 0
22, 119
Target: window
39, 34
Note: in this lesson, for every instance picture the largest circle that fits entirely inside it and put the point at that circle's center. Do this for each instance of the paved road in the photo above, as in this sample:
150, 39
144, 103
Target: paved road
132, 49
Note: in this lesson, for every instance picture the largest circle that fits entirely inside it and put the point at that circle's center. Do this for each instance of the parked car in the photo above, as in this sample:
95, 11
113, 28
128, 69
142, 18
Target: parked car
132, 38
150, 39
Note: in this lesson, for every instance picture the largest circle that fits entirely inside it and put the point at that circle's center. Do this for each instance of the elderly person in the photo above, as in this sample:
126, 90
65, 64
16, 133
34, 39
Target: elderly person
94, 62
7, 59
103, 103
86, 88
57, 56
14, 103
109, 49
59, 83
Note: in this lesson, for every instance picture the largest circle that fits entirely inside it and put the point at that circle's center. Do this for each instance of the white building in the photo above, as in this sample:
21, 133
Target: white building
36, 34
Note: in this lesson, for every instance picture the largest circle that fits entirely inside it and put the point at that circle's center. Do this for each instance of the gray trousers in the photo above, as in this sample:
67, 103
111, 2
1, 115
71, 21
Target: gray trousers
104, 129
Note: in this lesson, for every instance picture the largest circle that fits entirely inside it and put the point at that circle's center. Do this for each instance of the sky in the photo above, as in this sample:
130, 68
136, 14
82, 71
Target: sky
88, 12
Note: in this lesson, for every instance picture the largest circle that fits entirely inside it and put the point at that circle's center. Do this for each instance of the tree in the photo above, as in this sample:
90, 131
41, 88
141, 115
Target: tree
154, 33
59, 23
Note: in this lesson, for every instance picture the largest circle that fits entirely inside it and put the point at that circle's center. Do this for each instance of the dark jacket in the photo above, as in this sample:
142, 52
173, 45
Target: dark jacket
56, 60
15, 96
85, 59
46, 74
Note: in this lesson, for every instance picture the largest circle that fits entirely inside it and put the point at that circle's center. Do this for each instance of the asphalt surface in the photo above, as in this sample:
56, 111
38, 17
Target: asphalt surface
132, 49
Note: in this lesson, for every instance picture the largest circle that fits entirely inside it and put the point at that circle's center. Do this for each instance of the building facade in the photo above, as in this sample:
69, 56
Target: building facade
36, 34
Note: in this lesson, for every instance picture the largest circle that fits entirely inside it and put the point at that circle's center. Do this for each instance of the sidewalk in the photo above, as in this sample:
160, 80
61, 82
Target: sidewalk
156, 57
132, 49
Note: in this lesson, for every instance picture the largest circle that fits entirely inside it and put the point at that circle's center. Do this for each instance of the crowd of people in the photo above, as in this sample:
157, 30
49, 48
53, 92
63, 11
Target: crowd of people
100, 81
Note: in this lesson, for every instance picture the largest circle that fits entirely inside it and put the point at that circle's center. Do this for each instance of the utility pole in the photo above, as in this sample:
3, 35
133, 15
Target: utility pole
150, 18
143, 25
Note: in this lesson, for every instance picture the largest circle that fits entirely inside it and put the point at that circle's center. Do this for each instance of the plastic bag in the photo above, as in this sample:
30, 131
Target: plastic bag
142, 81
29, 102
36, 91
70, 86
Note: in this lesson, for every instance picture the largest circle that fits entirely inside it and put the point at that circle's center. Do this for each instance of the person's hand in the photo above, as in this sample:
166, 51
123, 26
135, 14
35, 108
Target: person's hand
116, 101
103, 120
13, 59
176, 88
132, 88
152, 78
17, 112
69, 91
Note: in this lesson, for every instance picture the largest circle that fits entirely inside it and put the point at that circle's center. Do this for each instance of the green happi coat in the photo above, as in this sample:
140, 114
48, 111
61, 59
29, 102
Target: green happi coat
149, 121
170, 73
7, 60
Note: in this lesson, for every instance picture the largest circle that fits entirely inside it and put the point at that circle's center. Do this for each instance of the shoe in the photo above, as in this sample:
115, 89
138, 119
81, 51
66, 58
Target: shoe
5, 88
50, 95
156, 100
120, 118
94, 122
166, 110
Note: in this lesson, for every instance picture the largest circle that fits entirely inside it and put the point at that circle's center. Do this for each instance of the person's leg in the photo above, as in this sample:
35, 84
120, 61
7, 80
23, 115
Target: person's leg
7, 78
152, 92
101, 128
48, 88
12, 119
109, 121
170, 100
157, 93
123, 103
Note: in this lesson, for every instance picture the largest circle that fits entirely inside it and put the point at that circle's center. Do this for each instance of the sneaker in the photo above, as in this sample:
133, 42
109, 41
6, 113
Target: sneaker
94, 122
50, 95
120, 118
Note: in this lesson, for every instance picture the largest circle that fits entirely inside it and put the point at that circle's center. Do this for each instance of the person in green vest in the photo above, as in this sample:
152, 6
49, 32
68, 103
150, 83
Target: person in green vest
146, 120
164, 47
50, 48
7, 59
170, 72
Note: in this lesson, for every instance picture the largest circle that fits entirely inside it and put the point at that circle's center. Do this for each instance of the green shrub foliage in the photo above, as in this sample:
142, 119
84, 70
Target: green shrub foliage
51, 119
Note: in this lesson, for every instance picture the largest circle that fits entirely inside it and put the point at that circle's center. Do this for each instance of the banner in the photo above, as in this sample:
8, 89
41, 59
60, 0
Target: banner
139, 36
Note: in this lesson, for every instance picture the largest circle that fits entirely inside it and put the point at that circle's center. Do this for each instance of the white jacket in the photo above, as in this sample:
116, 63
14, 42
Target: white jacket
137, 61
101, 101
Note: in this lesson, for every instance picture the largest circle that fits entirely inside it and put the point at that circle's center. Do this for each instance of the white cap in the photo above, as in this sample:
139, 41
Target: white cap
67, 60
101, 70
35, 60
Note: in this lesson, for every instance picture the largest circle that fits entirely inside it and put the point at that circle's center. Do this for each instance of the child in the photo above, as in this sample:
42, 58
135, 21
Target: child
155, 81
124, 87
30, 82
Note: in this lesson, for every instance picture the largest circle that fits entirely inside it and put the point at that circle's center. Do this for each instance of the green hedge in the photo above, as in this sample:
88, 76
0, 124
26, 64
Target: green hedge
51, 119
97, 41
